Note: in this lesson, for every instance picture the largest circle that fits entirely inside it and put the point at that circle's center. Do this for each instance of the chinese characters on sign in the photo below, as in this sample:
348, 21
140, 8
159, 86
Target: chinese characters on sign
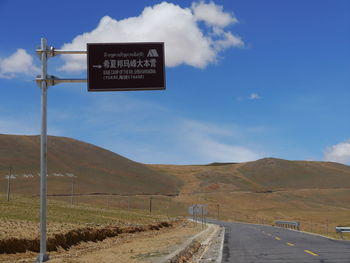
126, 66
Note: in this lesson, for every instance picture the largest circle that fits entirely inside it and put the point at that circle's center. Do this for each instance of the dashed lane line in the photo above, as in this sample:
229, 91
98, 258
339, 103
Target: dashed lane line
311, 253
292, 245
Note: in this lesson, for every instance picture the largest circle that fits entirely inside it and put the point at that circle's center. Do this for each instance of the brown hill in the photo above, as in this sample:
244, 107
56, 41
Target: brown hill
268, 174
277, 174
93, 169
314, 193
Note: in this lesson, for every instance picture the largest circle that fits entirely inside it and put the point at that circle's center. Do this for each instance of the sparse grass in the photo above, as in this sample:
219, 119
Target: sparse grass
161, 205
235, 189
27, 209
265, 208
318, 208
19, 218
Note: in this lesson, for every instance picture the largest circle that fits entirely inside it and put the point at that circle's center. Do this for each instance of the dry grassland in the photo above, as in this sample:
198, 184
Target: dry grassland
233, 196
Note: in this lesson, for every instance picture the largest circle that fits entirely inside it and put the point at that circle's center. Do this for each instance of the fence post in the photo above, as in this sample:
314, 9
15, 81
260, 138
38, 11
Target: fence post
150, 204
72, 192
9, 185
202, 218
218, 207
311, 226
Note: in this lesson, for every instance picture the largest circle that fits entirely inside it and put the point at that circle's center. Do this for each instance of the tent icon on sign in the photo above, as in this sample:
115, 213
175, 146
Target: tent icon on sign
152, 53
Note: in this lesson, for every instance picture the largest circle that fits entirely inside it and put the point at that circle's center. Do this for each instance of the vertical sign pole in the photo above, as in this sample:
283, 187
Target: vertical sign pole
43, 153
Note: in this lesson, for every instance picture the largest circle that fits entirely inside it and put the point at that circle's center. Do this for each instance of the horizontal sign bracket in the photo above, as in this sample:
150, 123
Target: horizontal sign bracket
52, 80
51, 52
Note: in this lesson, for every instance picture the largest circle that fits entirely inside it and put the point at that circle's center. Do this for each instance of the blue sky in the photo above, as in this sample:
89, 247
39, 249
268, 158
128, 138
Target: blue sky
246, 79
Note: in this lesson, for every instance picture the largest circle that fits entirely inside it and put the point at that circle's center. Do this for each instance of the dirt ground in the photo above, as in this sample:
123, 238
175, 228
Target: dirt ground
149, 246
26, 229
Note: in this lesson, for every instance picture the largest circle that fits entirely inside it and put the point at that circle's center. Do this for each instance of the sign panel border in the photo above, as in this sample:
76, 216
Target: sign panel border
163, 87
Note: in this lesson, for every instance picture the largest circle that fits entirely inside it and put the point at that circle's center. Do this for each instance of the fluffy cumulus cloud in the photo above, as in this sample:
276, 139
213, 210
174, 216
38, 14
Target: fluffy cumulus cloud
19, 62
186, 42
339, 153
212, 14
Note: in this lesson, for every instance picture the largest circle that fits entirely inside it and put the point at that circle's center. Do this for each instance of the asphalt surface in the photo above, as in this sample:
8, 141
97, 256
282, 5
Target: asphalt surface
248, 243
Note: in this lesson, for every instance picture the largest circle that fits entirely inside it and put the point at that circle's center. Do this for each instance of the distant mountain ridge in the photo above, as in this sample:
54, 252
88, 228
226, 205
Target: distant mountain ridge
276, 174
93, 169
96, 170
264, 175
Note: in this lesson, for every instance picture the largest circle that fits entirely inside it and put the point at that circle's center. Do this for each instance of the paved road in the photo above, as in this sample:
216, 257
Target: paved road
247, 243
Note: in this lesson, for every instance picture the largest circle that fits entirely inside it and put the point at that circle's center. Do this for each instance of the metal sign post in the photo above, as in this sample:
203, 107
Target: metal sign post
142, 68
44, 81
197, 211
43, 153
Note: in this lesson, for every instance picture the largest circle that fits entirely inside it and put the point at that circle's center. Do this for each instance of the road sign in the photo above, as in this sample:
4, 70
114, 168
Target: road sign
131, 66
198, 209
126, 66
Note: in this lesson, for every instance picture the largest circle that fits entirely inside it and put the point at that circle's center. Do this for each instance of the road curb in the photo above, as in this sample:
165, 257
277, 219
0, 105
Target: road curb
219, 259
213, 248
204, 237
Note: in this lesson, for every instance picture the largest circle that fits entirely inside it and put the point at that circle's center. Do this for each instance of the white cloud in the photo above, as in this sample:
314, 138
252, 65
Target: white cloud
16, 126
24, 125
212, 14
19, 62
183, 141
185, 41
254, 96
205, 142
338, 153
220, 152
196, 127
148, 132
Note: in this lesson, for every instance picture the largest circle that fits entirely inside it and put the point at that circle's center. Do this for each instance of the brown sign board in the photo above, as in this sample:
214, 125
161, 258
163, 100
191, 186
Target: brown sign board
125, 66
